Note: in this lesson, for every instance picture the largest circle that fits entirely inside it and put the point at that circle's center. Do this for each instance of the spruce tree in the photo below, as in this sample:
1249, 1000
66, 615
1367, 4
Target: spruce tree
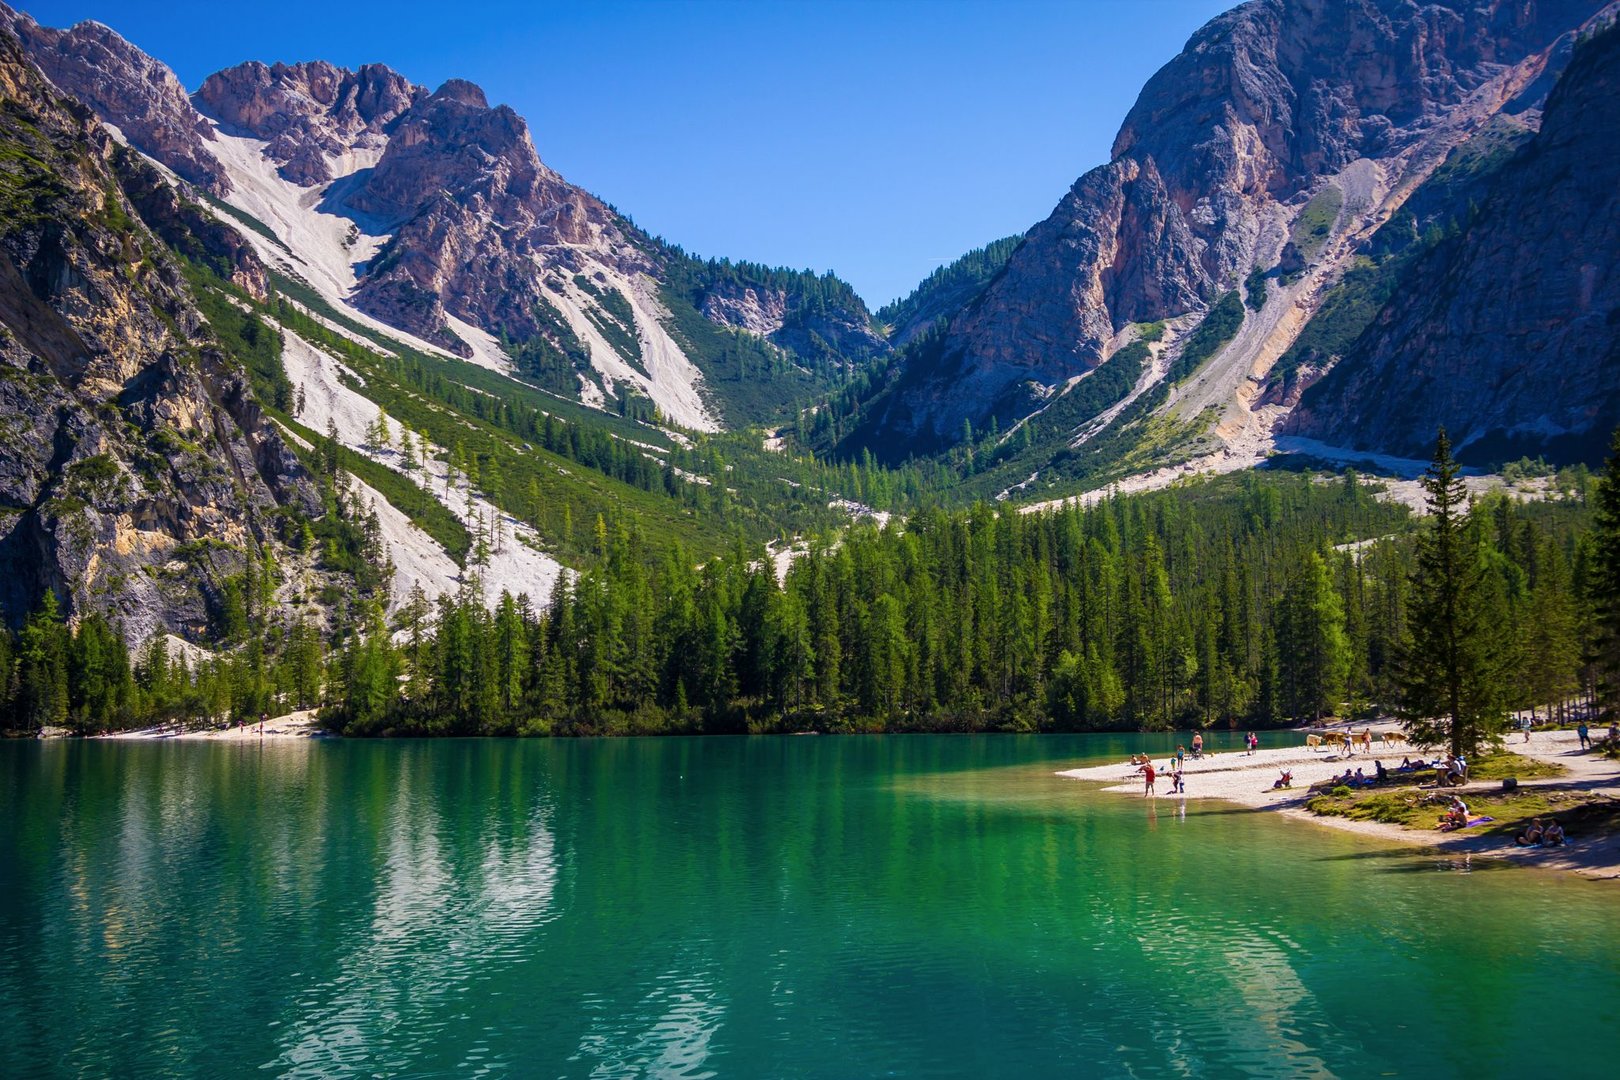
1449, 686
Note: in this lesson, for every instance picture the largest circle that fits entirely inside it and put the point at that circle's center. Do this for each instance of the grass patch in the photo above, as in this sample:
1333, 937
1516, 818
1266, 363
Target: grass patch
1219, 327
246, 219
1504, 764
1315, 223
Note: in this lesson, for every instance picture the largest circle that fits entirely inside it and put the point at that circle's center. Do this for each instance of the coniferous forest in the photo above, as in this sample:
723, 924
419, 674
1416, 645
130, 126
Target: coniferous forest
1254, 601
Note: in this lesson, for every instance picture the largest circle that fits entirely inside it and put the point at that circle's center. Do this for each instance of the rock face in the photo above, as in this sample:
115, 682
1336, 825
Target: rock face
1509, 333
126, 88
476, 219
792, 320
135, 472
311, 113
1221, 148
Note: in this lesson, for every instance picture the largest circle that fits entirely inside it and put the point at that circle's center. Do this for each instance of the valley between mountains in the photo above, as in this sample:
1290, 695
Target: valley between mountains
303, 349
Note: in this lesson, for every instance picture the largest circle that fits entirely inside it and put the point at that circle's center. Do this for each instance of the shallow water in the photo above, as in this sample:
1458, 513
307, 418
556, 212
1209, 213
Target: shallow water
905, 906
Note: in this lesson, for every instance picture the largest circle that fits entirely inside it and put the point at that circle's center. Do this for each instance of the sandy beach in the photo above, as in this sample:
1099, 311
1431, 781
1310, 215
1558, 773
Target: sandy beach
1246, 779
294, 725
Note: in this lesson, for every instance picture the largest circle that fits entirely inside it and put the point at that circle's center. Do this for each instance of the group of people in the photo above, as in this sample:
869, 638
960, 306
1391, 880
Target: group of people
1452, 771
1538, 835
1150, 775
1455, 817
1359, 778
1585, 735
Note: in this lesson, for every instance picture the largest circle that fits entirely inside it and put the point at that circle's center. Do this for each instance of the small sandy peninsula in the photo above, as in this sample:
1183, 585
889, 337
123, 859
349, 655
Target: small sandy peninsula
294, 725
1247, 780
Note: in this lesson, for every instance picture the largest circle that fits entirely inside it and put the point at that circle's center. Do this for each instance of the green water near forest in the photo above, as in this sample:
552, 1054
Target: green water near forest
829, 907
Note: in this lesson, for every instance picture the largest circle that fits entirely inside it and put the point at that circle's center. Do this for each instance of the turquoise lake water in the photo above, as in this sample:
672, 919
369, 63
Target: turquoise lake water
812, 906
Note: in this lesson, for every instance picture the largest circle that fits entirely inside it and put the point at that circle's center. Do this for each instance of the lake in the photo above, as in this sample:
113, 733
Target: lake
750, 907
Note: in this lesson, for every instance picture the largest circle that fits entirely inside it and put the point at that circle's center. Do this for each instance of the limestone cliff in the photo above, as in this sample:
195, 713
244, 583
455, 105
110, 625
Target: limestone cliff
135, 471
1507, 333
127, 88
1218, 159
320, 120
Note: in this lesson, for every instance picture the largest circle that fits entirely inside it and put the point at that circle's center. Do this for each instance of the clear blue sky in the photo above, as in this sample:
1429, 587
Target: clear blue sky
877, 140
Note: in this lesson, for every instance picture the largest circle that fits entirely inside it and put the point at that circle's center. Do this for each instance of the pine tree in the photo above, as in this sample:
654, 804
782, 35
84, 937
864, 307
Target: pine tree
1449, 682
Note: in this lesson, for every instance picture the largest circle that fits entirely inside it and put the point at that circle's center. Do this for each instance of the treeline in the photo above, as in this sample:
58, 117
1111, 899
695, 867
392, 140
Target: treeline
1231, 602
951, 284
804, 289
1205, 607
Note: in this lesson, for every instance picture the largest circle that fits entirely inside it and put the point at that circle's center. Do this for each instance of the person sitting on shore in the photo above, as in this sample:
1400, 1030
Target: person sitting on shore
1286, 780
1456, 816
1531, 837
1405, 765
1553, 834
1360, 779
1383, 773
1198, 745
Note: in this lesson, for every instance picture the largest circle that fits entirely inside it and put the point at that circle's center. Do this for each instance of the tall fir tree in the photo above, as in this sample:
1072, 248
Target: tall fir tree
1450, 683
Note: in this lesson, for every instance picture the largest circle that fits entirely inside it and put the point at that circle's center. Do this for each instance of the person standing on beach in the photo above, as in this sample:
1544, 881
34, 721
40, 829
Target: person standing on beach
1585, 734
1147, 777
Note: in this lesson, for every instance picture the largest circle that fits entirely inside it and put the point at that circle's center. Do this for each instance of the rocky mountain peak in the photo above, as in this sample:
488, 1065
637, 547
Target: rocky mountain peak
1211, 168
126, 88
320, 120
452, 141
467, 93
454, 165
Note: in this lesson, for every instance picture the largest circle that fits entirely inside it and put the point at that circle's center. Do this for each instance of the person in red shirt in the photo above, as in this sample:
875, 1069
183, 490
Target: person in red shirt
1147, 776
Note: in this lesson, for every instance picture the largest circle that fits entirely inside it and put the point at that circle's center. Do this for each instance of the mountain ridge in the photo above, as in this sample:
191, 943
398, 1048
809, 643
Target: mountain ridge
1230, 145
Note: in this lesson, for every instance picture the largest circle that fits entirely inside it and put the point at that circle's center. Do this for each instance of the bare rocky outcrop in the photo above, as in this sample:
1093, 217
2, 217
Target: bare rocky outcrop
743, 307
1508, 333
1220, 152
312, 114
188, 229
135, 471
127, 88
477, 219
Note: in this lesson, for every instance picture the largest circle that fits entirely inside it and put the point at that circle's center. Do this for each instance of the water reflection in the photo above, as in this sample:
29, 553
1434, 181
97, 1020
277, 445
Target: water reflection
457, 895
757, 907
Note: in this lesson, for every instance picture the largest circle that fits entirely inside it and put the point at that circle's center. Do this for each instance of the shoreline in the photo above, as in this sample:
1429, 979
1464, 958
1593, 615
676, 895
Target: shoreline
293, 725
1245, 780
